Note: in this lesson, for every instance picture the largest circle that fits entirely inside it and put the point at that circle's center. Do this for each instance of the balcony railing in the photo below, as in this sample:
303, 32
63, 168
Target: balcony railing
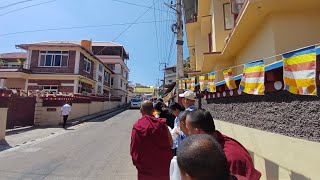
5, 68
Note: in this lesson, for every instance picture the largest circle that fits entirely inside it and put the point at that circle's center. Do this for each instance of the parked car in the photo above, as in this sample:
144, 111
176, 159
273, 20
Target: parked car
135, 103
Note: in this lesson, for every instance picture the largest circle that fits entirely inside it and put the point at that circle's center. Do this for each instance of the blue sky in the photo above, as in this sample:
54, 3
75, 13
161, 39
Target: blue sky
140, 40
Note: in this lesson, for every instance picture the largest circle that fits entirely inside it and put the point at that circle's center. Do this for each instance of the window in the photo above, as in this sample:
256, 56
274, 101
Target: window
228, 16
100, 68
99, 90
111, 66
236, 6
50, 88
170, 81
111, 81
87, 65
106, 77
100, 78
53, 59
121, 82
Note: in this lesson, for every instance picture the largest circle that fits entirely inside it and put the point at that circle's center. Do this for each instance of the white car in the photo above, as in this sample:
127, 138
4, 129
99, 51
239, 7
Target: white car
135, 103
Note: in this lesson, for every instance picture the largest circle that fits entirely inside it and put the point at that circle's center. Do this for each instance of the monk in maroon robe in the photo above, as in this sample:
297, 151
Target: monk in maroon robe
151, 144
239, 159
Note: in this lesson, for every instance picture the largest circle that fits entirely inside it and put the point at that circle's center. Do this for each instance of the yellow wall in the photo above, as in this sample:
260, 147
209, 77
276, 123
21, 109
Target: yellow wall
219, 34
294, 30
44, 117
260, 45
276, 156
3, 122
15, 83
95, 107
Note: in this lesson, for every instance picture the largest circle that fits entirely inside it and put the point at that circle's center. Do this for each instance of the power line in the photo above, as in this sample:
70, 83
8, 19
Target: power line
27, 7
130, 25
13, 4
75, 27
139, 5
156, 28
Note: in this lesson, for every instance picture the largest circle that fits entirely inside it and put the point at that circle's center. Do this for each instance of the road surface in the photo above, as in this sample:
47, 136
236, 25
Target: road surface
93, 150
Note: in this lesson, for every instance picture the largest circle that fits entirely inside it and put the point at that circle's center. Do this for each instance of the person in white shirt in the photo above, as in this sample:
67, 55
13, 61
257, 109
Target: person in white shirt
65, 111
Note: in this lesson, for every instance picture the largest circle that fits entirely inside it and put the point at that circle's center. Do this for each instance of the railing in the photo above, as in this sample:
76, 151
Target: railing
14, 69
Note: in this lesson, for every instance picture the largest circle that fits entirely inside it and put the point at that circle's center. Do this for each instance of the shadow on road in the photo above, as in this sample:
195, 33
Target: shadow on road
4, 145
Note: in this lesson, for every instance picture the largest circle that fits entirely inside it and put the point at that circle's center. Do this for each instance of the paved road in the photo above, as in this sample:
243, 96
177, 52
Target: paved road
94, 150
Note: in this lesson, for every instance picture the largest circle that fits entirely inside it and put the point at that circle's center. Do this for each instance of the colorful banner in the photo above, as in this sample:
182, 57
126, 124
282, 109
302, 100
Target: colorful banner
211, 82
299, 71
252, 81
201, 82
228, 77
179, 83
193, 83
189, 83
183, 83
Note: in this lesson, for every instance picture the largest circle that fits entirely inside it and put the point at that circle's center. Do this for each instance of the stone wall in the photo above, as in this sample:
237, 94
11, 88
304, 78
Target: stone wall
277, 112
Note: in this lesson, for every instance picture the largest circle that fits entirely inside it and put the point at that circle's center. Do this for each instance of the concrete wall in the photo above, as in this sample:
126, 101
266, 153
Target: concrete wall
15, 83
52, 115
278, 112
3, 122
276, 156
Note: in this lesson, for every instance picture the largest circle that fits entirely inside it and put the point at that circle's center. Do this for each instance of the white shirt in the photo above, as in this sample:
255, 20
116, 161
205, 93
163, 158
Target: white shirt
174, 169
65, 110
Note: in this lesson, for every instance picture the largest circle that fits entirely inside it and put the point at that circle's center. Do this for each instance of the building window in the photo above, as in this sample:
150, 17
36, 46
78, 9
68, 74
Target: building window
170, 81
100, 68
228, 17
111, 66
106, 77
50, 88
100, 78
121, 82
87, 65
99, 91
53, 59
111, 81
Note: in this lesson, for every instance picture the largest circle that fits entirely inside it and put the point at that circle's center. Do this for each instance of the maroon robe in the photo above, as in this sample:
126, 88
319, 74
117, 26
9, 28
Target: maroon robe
238, 158
150, 148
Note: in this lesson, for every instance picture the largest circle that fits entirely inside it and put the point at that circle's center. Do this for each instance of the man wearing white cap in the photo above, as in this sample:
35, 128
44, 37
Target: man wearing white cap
188, 100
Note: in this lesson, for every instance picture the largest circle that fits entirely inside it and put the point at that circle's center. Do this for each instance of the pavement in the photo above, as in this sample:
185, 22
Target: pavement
95, 149
26, 135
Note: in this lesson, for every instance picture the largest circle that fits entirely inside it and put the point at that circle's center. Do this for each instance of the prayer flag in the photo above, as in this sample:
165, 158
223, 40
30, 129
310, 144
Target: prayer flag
228, 77
211, 82
252, 81
201, 82
299, 71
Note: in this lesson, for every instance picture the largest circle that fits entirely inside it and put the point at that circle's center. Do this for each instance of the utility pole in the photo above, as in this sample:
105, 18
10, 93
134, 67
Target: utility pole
179, 33
180, 69
164, 75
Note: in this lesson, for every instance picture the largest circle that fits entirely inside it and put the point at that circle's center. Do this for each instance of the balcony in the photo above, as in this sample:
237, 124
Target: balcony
6, 68
190, 10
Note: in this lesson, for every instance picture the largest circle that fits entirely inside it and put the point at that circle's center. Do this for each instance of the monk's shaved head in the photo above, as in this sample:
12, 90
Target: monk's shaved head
147, 107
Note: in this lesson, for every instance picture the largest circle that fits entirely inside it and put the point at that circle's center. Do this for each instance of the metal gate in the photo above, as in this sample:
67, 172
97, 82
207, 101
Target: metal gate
21, 111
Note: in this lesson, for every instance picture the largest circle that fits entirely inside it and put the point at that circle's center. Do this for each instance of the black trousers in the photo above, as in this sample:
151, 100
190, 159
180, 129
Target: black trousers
65, 118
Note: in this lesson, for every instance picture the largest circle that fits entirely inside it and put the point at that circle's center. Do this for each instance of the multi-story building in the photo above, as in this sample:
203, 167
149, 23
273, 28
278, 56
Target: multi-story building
227, 33
69, 67
13, 62
114, 56
170, 74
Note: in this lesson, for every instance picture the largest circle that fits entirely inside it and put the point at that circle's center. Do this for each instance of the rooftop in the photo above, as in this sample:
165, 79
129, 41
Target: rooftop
14, 55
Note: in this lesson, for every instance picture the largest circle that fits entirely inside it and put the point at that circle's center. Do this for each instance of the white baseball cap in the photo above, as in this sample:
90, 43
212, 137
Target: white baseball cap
188, 95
